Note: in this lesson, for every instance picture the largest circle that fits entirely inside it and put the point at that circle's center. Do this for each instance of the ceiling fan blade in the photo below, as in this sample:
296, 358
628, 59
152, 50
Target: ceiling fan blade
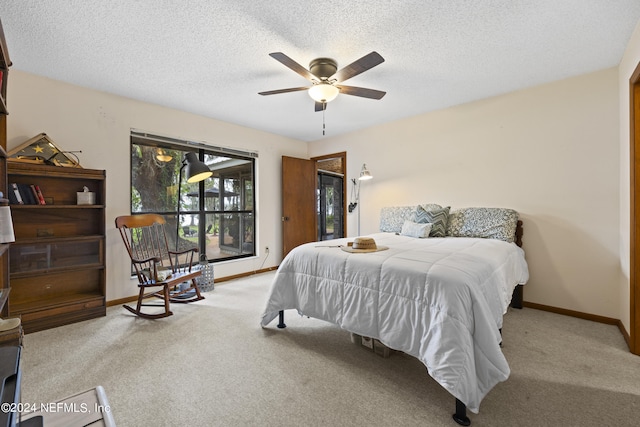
288, 62
360, 66
362, 91
277, 91
321, 106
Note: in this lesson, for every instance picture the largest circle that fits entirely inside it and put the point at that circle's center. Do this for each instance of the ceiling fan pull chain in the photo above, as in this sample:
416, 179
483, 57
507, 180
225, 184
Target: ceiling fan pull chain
324, 108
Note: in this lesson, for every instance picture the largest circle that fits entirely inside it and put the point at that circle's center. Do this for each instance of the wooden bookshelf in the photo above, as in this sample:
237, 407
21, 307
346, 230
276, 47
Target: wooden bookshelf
57, 263
5, 63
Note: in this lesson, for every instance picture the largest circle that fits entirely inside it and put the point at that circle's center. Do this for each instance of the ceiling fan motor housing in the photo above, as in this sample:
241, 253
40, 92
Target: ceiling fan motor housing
323, 67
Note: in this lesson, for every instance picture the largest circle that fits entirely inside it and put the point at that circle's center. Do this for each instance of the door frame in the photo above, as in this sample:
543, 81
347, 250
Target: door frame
343, 157
634, 219
301, 214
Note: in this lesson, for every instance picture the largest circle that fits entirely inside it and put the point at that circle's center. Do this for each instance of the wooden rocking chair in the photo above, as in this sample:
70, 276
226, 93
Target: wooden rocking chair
156, 266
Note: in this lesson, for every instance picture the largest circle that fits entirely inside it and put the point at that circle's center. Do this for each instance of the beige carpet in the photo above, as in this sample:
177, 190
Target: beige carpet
211, 364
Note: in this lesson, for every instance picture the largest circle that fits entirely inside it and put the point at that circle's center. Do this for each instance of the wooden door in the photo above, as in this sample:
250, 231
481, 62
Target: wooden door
298, 203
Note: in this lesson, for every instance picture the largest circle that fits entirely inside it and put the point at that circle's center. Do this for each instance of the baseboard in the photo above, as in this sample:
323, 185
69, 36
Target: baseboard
121, 301
581, 315
247, 274
125, 300
557, 310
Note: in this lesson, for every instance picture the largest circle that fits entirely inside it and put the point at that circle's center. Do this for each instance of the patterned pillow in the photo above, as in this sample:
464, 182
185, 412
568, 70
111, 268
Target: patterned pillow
413, 229
438, 216
491, 223
392, 218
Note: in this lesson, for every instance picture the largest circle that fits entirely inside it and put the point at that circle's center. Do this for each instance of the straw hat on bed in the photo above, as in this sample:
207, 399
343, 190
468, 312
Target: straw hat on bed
362, 245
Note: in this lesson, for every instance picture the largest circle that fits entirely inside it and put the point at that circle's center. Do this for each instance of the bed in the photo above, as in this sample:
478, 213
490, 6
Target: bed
437, 291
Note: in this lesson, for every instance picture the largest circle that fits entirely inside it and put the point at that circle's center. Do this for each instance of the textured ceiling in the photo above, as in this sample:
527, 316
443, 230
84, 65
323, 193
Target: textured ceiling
211, 57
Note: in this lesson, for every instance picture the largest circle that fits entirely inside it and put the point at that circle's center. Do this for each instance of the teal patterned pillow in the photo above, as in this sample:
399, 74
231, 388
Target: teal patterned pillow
436, 215
491, 223
393, 217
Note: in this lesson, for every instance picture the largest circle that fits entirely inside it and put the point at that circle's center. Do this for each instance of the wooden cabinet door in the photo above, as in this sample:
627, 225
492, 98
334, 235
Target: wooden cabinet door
298, 203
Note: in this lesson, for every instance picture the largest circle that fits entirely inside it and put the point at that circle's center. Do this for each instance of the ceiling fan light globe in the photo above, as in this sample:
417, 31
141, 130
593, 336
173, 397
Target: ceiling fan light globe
163, 156
323, 92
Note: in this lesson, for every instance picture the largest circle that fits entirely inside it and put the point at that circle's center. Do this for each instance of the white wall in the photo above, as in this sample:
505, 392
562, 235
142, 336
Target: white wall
627, 66
550, 152
99, 124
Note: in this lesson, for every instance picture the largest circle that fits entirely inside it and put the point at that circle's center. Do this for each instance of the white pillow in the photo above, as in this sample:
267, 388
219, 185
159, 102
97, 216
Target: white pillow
413, 229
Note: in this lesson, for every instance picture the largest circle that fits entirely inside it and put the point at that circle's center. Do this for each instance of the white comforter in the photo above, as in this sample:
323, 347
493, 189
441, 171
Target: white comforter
438, 299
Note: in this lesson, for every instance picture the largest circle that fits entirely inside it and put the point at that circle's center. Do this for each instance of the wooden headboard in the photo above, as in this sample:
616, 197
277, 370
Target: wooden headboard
518, 239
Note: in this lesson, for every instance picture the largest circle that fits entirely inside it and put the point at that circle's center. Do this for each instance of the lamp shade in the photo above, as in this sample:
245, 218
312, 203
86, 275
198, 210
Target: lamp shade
364, 173
195, 169
323, 92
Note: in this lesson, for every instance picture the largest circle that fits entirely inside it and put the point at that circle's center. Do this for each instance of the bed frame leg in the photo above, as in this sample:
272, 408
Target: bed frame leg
281, 323
461, 414
516, 298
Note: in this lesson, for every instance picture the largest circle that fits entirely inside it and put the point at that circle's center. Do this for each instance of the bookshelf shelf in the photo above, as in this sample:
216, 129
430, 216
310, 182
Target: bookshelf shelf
19, 207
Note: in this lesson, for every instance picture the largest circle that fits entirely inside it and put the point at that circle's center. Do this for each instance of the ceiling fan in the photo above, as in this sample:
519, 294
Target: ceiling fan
327, 82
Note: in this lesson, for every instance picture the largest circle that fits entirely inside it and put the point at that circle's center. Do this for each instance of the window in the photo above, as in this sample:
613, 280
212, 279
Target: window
216, 215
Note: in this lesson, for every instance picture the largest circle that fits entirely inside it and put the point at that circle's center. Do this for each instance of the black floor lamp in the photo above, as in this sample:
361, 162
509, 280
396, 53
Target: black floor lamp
196, 171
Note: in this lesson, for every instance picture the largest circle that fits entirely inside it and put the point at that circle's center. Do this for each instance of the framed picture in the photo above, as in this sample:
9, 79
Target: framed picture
42, 150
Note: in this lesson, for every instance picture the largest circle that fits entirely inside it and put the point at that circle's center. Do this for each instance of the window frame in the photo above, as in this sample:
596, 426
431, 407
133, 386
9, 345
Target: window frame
207, 213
